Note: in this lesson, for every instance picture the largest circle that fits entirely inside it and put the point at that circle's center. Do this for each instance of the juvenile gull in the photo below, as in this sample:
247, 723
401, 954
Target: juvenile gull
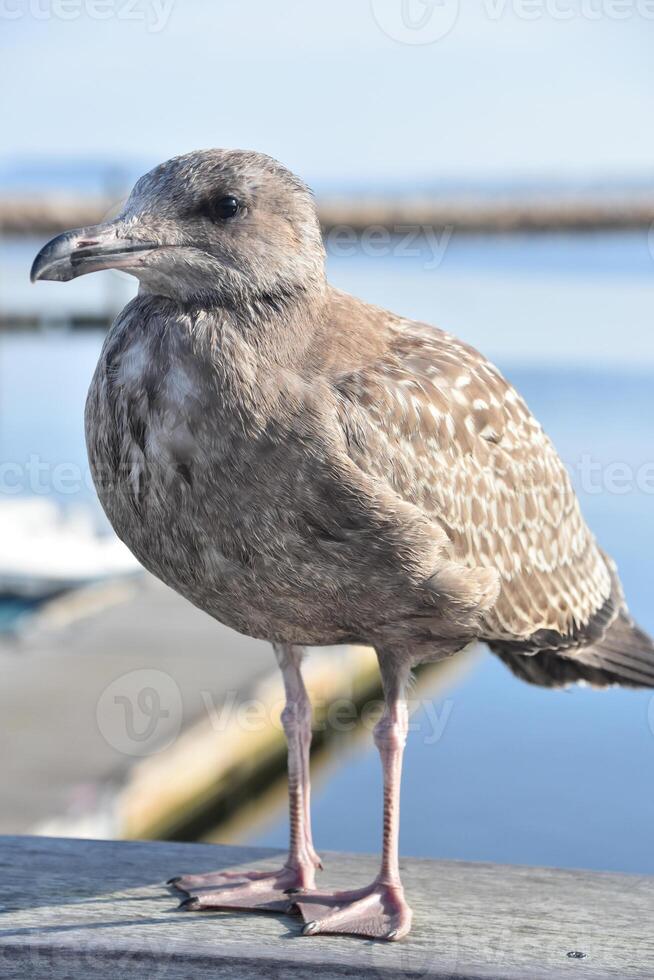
310, 469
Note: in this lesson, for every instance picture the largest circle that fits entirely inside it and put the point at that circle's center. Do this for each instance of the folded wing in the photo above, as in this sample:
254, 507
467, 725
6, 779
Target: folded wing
441, 426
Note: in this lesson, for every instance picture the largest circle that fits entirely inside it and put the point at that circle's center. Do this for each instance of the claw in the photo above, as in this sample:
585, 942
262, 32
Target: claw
294, 891
173, 881
190, 904
392, 935
310, 928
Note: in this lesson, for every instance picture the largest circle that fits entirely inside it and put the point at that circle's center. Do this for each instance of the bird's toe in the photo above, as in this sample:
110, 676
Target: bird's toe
377, 912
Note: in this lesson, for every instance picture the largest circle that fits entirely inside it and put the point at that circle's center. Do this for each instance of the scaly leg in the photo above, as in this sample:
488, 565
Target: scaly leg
272, 890
378, 911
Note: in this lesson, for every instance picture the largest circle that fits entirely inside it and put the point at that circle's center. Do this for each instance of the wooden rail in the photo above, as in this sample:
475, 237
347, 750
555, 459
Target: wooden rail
81, 909
43, 216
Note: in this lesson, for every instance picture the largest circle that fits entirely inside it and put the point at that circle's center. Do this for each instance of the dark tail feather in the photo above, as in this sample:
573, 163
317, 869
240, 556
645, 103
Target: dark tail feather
625, 650
551, 670
625, 656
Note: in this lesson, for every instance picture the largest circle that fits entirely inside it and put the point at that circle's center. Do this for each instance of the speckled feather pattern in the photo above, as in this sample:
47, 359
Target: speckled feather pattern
449, 433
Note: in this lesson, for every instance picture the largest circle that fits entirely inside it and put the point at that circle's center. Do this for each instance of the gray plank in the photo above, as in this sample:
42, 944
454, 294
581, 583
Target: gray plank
75, 909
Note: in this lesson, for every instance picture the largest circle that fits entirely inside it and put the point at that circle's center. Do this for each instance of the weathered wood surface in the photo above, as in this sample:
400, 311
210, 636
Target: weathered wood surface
80, 909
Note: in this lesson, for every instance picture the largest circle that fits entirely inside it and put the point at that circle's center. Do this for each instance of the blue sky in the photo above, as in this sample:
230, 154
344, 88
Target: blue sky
332, 89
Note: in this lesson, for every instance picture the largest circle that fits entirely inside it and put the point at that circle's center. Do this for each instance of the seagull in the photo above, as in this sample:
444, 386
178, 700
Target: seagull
312, 470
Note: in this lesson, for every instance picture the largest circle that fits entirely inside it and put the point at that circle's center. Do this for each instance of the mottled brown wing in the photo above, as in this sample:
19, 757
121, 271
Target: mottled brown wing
449, 434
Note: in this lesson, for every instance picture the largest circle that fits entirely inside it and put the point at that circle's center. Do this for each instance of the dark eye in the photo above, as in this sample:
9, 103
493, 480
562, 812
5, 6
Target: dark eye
224, 207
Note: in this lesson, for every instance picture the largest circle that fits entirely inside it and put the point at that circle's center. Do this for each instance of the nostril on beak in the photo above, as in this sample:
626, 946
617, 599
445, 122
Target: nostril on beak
87, 242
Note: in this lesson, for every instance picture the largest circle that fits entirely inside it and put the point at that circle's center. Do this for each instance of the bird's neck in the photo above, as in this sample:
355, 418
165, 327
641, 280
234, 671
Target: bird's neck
252, 354
280, 328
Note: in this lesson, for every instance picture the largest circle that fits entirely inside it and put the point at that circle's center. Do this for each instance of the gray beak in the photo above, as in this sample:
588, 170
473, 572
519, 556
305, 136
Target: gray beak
88, 250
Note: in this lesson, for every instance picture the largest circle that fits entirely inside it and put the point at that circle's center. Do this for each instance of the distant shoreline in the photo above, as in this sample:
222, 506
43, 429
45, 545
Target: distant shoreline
22, 217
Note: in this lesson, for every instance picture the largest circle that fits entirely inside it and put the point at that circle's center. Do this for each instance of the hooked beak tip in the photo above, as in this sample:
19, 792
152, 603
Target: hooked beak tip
54, 261
84, 250
45, 270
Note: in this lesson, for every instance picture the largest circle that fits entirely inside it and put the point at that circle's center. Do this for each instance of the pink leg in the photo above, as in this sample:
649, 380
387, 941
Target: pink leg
379, 910
272, 890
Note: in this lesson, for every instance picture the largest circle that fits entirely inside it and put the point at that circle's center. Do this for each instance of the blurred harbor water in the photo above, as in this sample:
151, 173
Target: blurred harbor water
512, 773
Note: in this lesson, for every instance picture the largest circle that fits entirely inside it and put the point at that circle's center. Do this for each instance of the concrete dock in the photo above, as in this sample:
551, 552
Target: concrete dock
73, 726
129, 713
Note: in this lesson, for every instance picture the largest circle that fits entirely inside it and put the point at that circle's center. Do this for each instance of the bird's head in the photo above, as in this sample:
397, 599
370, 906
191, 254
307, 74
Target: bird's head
221, 226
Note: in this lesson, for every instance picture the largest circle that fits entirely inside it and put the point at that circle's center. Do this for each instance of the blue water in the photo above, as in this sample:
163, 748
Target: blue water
44, 377
520, 774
